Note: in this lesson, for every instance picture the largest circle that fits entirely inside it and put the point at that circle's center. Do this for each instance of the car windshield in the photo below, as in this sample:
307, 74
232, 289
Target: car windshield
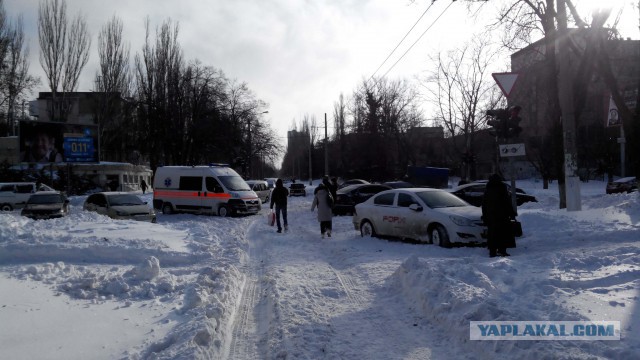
45, 199
234, 183
297, 186
440, 199
124, 199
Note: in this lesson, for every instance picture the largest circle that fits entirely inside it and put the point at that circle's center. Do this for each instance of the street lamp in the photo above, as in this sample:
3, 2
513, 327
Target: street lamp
249, 176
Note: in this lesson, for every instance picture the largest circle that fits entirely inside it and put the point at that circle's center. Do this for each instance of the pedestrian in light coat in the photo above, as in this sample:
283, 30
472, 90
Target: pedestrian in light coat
322, 202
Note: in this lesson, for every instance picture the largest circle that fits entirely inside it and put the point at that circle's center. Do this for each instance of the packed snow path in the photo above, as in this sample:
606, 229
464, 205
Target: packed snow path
307, 297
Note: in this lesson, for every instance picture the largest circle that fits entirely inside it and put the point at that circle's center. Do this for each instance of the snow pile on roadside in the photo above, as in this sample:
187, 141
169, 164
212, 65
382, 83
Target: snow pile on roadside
578, 266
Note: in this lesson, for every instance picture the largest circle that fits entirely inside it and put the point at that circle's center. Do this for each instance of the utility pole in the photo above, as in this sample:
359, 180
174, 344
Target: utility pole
565, 91
248, 162
326, 149
310, 167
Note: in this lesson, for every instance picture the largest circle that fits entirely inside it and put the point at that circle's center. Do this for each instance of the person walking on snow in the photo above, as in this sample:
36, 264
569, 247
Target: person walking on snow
279, 199
323, 200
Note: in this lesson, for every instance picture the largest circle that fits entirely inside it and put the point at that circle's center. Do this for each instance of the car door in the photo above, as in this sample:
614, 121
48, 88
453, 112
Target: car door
23, 193
383, 212
413, 224
97, 203
190, 191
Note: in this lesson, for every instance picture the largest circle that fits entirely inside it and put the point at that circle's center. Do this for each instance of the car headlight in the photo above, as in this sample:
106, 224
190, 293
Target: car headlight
461, 221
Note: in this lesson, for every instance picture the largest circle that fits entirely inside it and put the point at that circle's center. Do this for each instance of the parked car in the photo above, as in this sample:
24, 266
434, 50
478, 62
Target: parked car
352, 182
119, 205
261, 188
348, 197
46, 205
271, 182
399, 184
626, 184
423, 214
14, 195
297, 189
473, 193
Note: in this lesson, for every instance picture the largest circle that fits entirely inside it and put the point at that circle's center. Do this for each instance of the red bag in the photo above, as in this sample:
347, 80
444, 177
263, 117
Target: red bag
271, 218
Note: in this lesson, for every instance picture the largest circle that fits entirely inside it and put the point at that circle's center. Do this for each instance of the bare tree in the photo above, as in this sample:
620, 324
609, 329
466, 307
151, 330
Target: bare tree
565, 81
340, 124
461, 91
64, 51
15, 81
112, 84
382, 112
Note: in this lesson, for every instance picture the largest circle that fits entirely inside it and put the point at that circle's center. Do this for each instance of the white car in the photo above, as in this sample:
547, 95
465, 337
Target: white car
261, 188
427, 215
119, 205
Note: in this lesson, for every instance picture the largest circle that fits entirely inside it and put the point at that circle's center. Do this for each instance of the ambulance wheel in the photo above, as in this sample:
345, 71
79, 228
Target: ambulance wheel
223, 211
167, 209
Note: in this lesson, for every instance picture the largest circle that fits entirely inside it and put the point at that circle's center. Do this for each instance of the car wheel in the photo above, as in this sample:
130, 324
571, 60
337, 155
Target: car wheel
439, 236
167, 209
366, 229
223, 211
6, 207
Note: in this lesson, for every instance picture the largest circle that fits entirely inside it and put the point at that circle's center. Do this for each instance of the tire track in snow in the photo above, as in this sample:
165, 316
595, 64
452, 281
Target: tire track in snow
246, 332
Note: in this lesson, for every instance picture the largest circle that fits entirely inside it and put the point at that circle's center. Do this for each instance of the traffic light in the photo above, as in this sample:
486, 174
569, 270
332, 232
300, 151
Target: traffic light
513, 123
498, 123
505, 123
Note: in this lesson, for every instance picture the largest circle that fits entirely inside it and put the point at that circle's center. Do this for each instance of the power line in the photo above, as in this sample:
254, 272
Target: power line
405, 36
411, 47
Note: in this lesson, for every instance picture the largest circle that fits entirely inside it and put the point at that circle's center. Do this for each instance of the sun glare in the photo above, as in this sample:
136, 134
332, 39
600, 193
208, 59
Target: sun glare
621, 10
589, 6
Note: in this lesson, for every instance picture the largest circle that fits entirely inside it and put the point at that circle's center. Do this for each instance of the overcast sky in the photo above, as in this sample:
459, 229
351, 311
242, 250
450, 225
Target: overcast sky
297, 55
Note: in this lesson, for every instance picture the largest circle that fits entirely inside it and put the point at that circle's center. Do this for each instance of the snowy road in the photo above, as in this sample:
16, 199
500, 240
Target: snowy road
307, 297
205, 287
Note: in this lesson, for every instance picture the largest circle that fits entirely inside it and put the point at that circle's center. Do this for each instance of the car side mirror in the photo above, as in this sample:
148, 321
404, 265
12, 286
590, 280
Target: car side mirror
66, 201
415, 207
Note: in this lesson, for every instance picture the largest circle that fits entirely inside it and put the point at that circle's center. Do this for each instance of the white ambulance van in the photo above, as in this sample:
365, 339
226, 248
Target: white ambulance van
214, 189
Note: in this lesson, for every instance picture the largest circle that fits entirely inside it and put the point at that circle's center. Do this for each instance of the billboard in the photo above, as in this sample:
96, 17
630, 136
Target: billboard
46, 142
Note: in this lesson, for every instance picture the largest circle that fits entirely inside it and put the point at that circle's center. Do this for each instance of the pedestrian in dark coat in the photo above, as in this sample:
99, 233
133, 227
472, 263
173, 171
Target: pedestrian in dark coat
497, 213
143, 186
333, 188
321, 200
279, 197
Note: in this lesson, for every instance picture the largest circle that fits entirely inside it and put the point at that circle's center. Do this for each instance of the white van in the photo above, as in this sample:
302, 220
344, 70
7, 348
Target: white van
15, 195
214, 189
261, 188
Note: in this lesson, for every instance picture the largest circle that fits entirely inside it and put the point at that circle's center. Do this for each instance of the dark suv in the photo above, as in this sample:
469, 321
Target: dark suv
626, 184
348, 197
473, 193
297, 189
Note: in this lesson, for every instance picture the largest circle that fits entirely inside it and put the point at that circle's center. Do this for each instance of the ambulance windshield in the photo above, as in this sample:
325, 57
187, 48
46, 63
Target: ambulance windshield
234, 183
